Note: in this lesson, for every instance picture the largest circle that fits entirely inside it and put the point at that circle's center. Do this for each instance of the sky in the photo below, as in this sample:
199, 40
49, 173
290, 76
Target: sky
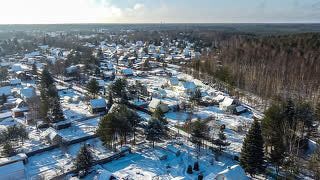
157, 11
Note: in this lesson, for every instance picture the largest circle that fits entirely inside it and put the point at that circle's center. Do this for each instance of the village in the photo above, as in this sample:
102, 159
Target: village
154, 80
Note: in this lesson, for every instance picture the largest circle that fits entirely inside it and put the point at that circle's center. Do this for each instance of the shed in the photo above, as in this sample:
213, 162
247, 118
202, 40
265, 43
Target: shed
52, 136
98, 105
6, 90
174, 81
15, 82
227, 102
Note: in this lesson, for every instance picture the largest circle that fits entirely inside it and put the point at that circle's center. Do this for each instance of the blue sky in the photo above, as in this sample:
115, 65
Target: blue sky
155, 11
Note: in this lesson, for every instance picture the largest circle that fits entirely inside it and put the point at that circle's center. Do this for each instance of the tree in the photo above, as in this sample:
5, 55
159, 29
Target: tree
34, 70
158, 114
57, 113
3, 99
93, 87
155, 130
198, 134
317, 112
252, 155
3, 74
196, 96
8, 150
84, 159
46, 79
118, 89
314, 164
110, 100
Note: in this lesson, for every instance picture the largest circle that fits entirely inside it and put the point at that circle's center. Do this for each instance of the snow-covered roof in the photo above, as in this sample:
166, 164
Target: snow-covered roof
11, 168
174, 81
240, 108
219, 98
103, 174
27, 92
154, 103
227, 102
127, 71
15, 81
101, 83
189, 85
50, 132
6, 90
98, 103
233, 172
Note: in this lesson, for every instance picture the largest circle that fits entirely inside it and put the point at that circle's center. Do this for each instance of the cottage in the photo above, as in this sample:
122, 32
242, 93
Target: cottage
173, 81
188, 87
6, 90
13, 171
239, 110
52, 136
15, 82
98, 105
127, 72
27, 93
155, 103
231, 173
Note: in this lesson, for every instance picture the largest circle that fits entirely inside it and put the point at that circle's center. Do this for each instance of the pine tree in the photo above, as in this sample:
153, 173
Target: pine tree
8, 150
3, 99
57, 113
252, 155
84, 159
158, 114
110, 100
46, 79
198, 133
34, 69
155, 130
317, 112
93, 87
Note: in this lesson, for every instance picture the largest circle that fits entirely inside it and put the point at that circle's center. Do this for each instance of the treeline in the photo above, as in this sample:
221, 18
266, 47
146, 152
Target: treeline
286, 66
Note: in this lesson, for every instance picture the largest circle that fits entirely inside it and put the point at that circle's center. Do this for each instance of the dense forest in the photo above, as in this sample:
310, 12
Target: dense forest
283, 66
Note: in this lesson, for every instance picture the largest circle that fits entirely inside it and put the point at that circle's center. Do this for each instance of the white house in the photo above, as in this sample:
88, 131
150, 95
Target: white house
231, 173
155, 103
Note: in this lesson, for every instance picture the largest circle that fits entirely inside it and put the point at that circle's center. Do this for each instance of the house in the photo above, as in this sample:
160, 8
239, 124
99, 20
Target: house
127, 72
20, 109
6, 90
8, 122
27, 93
173, 81
155, 103
188, 87
231, 173
239, 110
103, 174
226, 103
15, 82
98, 105
13, 171
52, 136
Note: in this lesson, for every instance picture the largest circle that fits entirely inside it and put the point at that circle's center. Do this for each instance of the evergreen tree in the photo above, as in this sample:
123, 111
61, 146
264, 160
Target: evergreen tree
314, 164
198, 133
3, 99
118, 89
252, 155
155, 130
196, 96
110, 100
158, 114
57, 113
93, 87
34, 70
8, 150
84, 159
46, 79
3, 74
317, 112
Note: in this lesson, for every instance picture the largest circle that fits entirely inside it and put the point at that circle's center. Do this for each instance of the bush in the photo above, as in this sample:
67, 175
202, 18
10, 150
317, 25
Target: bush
189, 170
200, 176
196, 166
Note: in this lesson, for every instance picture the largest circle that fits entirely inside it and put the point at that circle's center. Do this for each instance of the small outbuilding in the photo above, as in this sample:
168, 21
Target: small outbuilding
98, 106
